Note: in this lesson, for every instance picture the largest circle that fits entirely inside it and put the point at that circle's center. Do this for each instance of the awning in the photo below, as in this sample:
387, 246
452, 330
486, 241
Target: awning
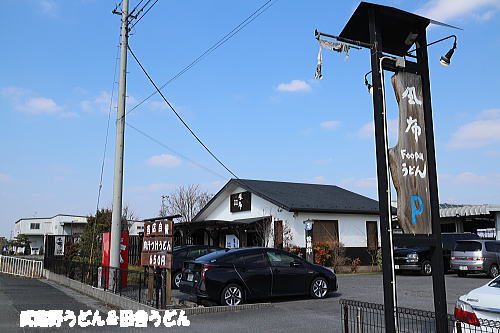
451, 210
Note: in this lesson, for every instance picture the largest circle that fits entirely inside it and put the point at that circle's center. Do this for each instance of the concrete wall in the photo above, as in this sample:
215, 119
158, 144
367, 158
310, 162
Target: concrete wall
104, 296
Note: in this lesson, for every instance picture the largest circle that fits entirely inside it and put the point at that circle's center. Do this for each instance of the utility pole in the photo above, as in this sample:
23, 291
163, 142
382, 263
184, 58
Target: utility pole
114, 252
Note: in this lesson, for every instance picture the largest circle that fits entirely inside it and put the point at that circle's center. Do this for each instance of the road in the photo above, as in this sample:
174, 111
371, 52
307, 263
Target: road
287, 315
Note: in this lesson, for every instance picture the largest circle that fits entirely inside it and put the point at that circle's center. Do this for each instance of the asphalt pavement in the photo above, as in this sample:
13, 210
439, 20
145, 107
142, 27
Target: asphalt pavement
300, 314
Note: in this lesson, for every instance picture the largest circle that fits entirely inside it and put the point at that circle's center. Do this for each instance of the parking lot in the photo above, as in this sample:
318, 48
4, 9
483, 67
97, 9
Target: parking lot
304, 314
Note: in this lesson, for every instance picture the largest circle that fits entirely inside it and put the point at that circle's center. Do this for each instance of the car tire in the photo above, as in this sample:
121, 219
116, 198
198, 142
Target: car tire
319, 288
176, 279
426, 268
462, 274
232, 295
493, 272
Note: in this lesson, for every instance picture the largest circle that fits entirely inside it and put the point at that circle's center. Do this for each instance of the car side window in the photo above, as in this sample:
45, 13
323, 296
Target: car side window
180, 254
278, 259
254, 259
193, 253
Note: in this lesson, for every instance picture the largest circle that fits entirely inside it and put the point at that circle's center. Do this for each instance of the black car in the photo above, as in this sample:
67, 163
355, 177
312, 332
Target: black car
231, 277
418, 259
189, 252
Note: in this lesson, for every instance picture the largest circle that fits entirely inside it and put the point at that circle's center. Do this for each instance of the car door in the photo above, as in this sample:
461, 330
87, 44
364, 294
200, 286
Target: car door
253, 268
289, 273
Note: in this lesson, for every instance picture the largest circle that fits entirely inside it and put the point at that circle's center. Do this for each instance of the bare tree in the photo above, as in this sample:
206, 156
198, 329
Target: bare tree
264, 231
287, 234
186, 201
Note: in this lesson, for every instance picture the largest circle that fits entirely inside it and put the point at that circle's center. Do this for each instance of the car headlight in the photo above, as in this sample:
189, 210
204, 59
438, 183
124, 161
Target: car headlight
412, 257
331, 269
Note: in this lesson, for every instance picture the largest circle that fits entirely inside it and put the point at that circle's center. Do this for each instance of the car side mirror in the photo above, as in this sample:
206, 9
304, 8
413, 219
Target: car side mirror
295, 264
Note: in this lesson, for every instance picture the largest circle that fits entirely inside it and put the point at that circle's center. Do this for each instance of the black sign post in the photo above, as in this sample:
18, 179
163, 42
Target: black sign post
389, 33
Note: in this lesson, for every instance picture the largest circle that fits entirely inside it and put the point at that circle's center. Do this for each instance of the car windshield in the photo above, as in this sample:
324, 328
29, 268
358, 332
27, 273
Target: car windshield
495, 283
468, 246
212, 257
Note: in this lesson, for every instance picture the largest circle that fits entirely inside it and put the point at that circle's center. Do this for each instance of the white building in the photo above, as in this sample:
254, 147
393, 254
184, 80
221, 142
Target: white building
38, 228
135, 227
232, 216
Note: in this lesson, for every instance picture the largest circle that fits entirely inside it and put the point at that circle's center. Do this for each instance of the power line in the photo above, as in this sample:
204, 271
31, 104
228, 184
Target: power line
140, 18
173, 151
137, 6
178, 116
212, 48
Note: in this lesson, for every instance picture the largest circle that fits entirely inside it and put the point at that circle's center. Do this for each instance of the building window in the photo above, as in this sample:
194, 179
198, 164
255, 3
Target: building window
371, 235
326, 231
35, 226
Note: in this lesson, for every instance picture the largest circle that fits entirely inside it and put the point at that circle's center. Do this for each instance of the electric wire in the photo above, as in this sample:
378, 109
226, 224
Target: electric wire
137, 6
104, 150
201, 166
178, 116
259, 11
147, 11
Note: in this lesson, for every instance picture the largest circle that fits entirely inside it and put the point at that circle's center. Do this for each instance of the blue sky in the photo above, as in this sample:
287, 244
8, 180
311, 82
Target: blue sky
253, 101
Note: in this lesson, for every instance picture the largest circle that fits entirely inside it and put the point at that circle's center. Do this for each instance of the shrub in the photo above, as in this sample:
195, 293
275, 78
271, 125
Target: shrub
355, 263
321, 253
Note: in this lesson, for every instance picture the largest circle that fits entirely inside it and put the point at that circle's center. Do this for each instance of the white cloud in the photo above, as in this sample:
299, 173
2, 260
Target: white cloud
26, 101
444, 10
294, 85
48, 7
359, 182
476, 134
39, 105
164, 160
5, 178
368, 130
330, 124
470, 178
317, 180
99, 103
490, 113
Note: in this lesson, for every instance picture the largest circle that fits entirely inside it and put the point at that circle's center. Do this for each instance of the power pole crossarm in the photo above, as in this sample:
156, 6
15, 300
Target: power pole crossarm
114, 252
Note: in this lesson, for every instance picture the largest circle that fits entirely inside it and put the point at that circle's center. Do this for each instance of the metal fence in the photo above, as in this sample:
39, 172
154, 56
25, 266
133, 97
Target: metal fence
361, 317
132, 284
21, 267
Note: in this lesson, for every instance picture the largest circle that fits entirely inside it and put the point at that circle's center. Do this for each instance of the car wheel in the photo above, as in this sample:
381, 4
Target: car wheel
493, 271
177, 279
426, 268
319, 288
232, 295
462, 274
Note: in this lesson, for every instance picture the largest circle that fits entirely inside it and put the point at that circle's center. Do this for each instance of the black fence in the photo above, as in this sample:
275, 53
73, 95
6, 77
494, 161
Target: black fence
132, 284
361, 317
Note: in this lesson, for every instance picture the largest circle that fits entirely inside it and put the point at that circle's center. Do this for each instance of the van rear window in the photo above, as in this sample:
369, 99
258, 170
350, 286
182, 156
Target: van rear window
468, 246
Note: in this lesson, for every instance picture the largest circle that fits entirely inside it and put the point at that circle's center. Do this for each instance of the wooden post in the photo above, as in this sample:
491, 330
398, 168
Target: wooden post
150, 283
169, 286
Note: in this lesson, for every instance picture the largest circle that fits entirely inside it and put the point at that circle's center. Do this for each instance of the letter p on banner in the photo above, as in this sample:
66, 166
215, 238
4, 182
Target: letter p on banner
414, 210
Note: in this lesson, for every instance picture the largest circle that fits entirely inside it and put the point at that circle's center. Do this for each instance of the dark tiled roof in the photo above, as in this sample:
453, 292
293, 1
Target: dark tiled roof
310, 197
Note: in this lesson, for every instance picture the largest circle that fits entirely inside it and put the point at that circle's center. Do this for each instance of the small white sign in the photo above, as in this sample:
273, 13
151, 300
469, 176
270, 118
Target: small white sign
59, 245
232, 242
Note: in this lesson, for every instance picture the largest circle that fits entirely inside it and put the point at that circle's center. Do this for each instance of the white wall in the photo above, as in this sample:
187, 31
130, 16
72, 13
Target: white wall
352, 227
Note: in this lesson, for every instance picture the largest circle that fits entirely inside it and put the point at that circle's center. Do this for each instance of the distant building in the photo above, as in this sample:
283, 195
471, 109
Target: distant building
38, 228
135, 227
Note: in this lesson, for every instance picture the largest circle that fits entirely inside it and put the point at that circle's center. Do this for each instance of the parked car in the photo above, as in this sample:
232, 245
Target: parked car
479, 305
418, 259
231, 277
189, 252
476, 256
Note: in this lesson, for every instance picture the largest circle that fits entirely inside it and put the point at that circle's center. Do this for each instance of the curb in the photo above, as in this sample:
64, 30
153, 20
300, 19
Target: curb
216, 309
